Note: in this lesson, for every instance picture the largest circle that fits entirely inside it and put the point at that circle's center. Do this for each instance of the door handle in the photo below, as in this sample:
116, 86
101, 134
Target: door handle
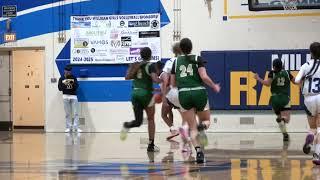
9, 91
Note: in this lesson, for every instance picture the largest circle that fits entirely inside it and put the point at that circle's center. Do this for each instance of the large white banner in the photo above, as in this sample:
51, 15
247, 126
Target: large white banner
114, 39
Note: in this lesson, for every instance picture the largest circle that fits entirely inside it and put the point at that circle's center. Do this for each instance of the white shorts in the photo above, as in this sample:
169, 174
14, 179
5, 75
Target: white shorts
173, 97
312, 104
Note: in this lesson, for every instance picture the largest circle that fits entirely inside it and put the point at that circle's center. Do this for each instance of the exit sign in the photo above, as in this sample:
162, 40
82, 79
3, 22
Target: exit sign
10, 37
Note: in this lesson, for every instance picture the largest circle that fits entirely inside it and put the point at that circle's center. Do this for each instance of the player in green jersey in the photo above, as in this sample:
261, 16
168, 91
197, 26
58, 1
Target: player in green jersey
279, 80
143, 74
189, 75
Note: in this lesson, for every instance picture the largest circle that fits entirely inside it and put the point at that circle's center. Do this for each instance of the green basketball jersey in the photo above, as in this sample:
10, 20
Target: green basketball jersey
186, 70
280, 82
143, 79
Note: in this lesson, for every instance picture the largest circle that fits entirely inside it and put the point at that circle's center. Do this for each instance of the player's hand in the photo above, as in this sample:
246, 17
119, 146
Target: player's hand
256, 76
216, 88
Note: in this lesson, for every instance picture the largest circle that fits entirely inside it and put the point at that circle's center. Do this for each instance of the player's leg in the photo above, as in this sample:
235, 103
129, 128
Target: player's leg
202, 108
167, 116
278, 105
173, 100
138, 106
184, 131
309, 108
200, 98
316, 155
204, 123
150, 111
285, 118
188, 114
285, 108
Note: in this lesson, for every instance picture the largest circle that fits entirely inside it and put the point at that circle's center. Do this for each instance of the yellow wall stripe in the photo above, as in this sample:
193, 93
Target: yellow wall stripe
225, 7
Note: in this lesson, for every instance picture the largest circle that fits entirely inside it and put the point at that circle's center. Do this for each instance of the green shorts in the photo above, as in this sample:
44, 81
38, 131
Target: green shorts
194, 98
280, 102
142, 97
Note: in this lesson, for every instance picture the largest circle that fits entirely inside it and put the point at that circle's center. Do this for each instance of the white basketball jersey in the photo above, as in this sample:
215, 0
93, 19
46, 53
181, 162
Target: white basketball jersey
310, 73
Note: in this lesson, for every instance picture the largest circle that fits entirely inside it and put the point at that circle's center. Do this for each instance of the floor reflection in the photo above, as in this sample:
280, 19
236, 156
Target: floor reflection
103, 156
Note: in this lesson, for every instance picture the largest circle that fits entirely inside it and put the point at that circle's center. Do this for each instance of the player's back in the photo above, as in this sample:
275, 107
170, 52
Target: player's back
187, 75
280, 82
143, 79
311, 84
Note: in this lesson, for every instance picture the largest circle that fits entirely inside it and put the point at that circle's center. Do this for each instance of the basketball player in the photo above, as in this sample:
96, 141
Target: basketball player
189, 75
143, 74
279, 80
171, 100
169, 93
309, 76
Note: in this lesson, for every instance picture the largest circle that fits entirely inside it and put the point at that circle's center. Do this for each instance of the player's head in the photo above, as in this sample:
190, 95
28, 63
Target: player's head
277, 65
145, 53
176, 49
67, 70
315, 50
186, 46
159, 66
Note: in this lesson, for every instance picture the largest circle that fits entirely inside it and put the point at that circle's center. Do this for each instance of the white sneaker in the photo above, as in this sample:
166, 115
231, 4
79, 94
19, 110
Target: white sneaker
124, 133
173, 133
67, 130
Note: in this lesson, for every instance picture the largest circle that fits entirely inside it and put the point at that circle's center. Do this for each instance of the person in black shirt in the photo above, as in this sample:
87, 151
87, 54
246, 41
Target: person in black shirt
68, 84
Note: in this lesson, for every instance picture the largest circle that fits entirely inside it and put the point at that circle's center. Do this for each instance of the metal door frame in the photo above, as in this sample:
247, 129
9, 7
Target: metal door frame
10, 50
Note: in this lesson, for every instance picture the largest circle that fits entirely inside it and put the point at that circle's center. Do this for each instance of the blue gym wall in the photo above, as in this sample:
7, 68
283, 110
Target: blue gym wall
220, 63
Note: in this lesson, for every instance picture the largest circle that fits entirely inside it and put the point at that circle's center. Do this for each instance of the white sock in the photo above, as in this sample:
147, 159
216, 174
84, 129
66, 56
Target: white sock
282, 127
312, 131
185, 126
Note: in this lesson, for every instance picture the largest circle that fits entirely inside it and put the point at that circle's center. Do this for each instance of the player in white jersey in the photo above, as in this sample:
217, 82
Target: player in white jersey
170, 97
309, 78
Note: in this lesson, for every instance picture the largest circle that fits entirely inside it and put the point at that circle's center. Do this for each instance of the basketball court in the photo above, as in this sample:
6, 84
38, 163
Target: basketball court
99, 38
103, 156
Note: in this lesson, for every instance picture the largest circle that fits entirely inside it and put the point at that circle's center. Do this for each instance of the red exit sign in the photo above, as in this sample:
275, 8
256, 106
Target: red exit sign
10, 37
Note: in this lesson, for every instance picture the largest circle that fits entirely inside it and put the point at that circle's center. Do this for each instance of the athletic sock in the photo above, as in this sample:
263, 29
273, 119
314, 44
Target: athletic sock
151, 141
282, 126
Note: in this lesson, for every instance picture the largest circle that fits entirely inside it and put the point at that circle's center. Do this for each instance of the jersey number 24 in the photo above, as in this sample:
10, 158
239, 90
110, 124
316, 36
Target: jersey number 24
186, 70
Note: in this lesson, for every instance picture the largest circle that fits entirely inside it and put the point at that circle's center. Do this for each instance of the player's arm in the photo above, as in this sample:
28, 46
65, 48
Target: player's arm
165, 76
164, 86
132, 71
165, 82
292, 78
300, 76
153, 74
205, 78
173, 75
266, 82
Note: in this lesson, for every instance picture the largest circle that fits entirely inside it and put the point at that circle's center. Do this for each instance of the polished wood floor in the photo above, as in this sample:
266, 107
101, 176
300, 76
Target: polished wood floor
59, 156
